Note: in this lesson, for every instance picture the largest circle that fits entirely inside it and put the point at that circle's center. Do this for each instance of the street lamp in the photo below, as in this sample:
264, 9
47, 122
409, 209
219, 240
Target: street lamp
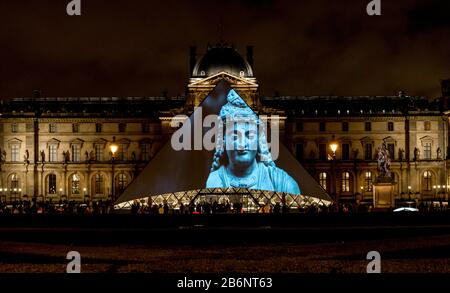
113, 147
409, 192
333, 147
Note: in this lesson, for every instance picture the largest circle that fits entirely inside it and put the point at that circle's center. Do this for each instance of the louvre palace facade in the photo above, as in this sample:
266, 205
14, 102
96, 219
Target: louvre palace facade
60, 147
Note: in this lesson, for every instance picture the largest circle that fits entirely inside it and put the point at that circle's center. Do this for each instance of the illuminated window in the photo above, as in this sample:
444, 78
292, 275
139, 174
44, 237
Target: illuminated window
76, 153
75, 184
345, 182
427, 180
52, 153
323, 180
98, 184
51, 184
241, 73
427, 151
122, 153
14, 183
368, 181
15, 149
99, 152
14, 127
121, 182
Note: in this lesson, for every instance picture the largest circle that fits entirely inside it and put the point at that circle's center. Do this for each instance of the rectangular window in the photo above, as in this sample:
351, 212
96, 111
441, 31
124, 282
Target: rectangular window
145, 127
75, 127
322, 126
427, 125
15, 153
368, 126
427, 151
14, 128
299, 126
52, 184
99, 152
122, 127
98, 127
368, 154
52, 153
368, 181
345, 182
145, 148
322, 151
345, 126
76, 153
29, 127
52, 127
299, 151
323, 180
345, 151
391, 150
123, 148
390, 126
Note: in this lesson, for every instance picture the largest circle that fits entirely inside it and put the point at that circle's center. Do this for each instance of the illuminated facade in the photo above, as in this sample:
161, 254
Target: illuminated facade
36, 131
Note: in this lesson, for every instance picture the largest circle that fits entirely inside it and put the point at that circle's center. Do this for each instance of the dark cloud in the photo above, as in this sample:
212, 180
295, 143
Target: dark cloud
130, 48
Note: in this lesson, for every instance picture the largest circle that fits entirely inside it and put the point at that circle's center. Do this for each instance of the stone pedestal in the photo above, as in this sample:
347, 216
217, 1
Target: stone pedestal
383, 193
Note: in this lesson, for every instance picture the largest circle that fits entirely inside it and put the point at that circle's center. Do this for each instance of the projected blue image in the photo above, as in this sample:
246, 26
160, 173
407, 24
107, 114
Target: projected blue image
242, 157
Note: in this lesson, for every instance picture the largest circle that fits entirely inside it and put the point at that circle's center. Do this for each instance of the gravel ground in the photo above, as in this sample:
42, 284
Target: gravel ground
405, 255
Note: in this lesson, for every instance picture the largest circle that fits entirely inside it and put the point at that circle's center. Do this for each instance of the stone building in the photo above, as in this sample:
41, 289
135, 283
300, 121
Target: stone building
60, 147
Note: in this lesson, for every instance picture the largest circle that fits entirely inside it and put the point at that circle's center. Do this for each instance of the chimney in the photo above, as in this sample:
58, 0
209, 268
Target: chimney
250, 55
192, 58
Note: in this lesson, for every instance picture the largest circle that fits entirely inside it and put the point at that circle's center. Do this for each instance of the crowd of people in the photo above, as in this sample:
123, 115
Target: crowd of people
60, 207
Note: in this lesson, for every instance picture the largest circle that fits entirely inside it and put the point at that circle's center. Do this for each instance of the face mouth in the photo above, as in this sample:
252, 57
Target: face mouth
242, 152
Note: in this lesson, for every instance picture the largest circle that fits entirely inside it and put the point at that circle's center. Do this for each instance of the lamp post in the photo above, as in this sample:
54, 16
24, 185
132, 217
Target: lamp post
409, 192
113, 147
333, 147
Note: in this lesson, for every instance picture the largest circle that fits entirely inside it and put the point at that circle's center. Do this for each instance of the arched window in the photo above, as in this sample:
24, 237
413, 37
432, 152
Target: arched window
51, 184
345, 182
14, 183
368, 181
75, 184
427, 180
122, 182
323, 180
98, 184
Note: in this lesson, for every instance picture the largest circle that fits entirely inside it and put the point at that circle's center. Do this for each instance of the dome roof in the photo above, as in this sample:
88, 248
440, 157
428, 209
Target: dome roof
222, 58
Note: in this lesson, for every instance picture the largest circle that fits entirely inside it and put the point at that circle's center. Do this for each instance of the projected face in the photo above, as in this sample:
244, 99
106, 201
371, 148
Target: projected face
241, 140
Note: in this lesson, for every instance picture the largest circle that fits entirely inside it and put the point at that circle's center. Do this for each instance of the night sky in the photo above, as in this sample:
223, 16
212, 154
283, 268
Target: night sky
141, 48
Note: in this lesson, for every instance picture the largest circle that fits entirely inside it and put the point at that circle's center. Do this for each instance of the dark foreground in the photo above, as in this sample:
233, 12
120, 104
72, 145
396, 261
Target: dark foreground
292, 243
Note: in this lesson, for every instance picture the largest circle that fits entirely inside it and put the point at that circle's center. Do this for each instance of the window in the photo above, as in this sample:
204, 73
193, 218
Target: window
99, 152
121, 182
299, 126
390, 126
145, 148
241, 73
323, 180
75, 184
427, 125
345, 151
368, 126
14, 183
15, 148
98, 127
29, 127
122, 127
75, 127
427, 151
322, 151
368, 151
427, 178
52, 127
368, 181
344, 126
299, 151
76, 152
345, 182
14, 128
122, 153
52, 153
391, 150
322, 126
145, 127
98, 184
51, 184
